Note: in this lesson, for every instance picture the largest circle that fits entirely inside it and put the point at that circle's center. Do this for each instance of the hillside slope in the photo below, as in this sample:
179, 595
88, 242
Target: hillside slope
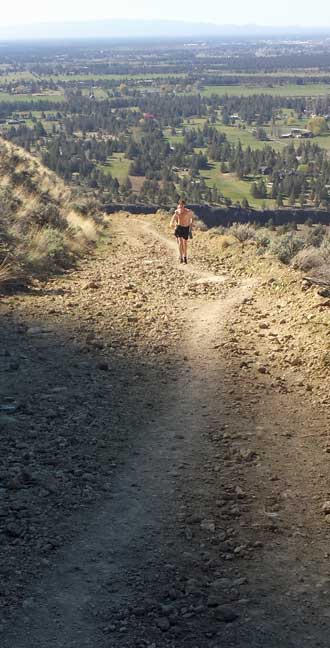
164, 459
43, 224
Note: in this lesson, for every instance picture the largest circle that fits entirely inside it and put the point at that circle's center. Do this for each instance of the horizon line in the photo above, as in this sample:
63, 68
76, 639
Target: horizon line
165, 21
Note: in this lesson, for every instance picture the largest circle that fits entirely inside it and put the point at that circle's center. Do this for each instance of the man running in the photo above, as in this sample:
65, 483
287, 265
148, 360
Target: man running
183, 220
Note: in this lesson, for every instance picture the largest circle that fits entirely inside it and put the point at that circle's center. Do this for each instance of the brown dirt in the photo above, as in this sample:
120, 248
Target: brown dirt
164, 457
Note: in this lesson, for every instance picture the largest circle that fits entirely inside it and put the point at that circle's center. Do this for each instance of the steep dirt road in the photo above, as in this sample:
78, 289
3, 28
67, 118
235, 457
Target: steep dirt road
210, 532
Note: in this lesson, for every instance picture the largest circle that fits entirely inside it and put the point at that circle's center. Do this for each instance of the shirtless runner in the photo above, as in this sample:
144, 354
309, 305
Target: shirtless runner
183, 221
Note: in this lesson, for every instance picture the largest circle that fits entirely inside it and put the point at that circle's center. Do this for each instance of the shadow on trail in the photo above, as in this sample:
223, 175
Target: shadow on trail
118, 483
76, 413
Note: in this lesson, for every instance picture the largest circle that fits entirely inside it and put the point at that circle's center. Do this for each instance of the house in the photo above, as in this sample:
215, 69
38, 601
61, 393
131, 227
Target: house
301, 132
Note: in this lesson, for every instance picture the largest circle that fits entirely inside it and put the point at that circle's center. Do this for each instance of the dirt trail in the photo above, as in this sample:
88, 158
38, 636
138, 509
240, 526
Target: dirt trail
177, 556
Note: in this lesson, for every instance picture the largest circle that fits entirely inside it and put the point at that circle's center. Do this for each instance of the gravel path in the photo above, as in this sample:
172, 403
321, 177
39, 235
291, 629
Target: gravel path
202, 533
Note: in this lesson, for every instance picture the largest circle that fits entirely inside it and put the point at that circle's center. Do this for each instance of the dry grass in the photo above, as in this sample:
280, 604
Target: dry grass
7, 272
309, 258
225, 241
40, 219
84, 225
242, 232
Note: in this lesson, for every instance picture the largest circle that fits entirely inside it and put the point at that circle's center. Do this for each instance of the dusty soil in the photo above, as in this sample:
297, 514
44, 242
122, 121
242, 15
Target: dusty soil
164, 451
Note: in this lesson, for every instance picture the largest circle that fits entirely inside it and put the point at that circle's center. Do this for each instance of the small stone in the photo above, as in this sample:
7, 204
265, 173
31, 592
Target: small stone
326, 507
12, 530
225, 614
103, 366
213, 601
208, 525
239, 492
163, 624
247, 454
91, 284
36, 330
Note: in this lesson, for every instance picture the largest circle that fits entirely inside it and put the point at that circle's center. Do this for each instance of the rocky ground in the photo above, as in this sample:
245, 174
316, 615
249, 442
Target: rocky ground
164, 451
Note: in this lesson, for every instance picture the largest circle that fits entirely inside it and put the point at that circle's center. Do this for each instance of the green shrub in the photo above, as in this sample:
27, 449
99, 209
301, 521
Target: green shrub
270, 224
220, 230
316, 235
44, 216
263, 241
308, 258
46, 249
200, 225
325, 245
287, 227
285, 247
242, 232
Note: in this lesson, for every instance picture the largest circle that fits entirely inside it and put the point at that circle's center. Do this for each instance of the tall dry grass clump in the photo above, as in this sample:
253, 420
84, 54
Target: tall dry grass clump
43, 227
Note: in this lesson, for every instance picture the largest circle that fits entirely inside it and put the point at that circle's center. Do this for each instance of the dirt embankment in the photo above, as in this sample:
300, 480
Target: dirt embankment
164, 457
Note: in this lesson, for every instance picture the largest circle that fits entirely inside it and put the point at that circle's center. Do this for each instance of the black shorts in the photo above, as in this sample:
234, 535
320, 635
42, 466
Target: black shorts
182, 232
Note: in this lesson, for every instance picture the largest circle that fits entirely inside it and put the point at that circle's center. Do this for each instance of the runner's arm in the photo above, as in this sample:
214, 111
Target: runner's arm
173, 219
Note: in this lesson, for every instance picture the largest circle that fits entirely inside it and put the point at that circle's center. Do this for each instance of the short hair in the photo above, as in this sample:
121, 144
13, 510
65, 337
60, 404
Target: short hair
182, 201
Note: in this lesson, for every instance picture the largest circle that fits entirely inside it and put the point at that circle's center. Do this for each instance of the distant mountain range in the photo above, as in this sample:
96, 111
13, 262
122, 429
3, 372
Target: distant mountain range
153, 29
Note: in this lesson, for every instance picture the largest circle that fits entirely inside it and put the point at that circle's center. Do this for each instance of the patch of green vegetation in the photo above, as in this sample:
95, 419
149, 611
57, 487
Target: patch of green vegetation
118, 166
173, 139
114, 77
18, 98
285, 90
99, 93
14, 77
235, 134
233, 188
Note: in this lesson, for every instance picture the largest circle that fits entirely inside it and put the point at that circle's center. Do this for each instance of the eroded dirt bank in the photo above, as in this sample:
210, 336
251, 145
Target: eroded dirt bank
164, 452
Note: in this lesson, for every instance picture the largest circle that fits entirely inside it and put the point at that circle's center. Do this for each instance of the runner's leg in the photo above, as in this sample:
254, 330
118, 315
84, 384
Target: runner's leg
181, 247
185, 247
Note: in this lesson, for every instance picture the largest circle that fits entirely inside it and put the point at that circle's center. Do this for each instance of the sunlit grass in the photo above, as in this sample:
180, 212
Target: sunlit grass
233, 188
118, 166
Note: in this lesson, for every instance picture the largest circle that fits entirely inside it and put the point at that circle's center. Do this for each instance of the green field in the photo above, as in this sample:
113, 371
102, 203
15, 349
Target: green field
15, 98
114, 77
297, 73
14, 77
231, 187
286, 90
234, 135
173, 139
118, 166
99, 93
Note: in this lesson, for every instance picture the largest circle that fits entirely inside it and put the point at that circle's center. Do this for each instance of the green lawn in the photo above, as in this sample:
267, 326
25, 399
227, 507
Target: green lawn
286, 90
99, 93
118, 166
173, 139
231, 187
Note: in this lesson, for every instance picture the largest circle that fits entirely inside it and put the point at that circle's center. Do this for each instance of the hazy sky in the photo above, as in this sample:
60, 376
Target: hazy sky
261, 12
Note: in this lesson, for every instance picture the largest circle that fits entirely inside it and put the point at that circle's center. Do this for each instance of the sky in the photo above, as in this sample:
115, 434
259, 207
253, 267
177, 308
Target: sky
239, 12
